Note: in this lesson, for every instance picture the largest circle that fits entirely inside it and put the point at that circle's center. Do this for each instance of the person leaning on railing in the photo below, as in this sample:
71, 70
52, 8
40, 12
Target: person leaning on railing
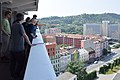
17, 56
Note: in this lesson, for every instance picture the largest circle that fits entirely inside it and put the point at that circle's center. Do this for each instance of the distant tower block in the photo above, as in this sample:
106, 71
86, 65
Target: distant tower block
105, 28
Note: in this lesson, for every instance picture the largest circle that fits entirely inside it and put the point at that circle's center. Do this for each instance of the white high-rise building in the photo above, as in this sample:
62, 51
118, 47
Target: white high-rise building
104, 29
114, 31
91, 29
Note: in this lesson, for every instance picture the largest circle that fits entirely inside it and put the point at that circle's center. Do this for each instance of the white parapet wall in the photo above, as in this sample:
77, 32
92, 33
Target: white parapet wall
39, 66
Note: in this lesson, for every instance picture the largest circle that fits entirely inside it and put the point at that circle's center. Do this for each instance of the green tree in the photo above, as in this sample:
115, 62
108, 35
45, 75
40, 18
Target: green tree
109, 49
109, 65
105, 51
76, 67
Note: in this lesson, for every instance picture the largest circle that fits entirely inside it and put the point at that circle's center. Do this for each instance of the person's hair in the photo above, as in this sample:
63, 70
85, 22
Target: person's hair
27, 19
19, 17
7, 12
34, 16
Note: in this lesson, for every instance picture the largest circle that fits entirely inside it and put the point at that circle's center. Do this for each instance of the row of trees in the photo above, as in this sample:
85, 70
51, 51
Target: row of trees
105, 68
82, 19
76, 67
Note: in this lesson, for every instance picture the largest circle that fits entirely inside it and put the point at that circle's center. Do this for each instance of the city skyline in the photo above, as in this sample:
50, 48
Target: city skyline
61, 8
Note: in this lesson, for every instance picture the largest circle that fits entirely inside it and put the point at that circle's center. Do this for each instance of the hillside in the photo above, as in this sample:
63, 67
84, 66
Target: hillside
73, 24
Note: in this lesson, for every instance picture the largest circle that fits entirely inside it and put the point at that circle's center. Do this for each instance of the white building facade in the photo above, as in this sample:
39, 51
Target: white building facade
64, 60
83, 55
55, 60
52, 30
91, 29
104, 29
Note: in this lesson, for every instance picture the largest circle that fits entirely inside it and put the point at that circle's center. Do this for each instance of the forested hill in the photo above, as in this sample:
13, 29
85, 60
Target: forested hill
79, 20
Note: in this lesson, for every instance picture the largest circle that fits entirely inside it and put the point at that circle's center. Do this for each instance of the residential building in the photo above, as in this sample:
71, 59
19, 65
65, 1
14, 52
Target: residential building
51, 49
48, 38
91, 29
74, 54
97, 48
52, 30
67, 76
55, 60
83, 55
91, 53
65, 58
114, 31
69, 39
105, 29
86, 43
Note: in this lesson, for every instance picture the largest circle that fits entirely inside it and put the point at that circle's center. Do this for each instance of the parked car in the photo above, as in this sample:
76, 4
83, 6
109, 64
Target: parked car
95, 62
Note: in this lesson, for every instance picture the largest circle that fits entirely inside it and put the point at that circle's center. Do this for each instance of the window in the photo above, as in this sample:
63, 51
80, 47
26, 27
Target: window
53, 53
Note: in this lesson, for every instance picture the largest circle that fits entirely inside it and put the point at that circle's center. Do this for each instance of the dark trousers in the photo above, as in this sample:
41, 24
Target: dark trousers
17, 62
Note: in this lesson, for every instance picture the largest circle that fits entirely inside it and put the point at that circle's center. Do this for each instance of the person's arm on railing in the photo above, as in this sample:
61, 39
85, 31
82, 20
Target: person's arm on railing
27, 39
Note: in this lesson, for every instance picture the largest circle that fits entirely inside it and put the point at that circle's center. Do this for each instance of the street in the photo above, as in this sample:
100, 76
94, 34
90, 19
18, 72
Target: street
115, 53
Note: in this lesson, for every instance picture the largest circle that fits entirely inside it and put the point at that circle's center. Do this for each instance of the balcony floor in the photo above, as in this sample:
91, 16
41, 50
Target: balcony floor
4, 71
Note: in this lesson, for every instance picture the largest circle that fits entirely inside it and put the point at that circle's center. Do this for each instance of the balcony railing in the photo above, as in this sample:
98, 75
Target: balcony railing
39, 66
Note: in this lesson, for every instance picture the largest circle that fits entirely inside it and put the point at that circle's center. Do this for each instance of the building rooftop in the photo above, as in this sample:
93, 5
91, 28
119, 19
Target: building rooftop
72, 50
82, 51
70, 35
90, 49
66, 76
117, 77
53, 43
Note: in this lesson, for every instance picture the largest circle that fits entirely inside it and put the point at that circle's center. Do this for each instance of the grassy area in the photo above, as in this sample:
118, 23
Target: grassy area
114, 70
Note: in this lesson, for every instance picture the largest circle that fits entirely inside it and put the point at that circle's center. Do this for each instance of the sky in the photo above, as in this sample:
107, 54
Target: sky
47, 8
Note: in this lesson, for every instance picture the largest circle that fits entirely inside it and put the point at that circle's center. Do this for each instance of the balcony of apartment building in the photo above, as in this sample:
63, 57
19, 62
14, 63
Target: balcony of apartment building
39, 66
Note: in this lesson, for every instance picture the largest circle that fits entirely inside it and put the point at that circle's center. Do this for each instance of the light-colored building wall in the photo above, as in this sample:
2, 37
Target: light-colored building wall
64, 60
55, 60
52, 31
87, 43
97, 48
104, 29
91, 29
83, 55
114, 31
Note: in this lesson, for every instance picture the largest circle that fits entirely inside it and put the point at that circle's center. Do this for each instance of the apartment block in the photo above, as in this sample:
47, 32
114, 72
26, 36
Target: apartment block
48, 38
105, 29
83, 55
65, 58
69, 39
52, 30
92, 29
51, 49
